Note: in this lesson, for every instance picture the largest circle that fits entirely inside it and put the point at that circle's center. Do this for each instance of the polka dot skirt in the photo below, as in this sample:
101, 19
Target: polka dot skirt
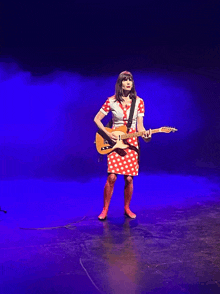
125, 162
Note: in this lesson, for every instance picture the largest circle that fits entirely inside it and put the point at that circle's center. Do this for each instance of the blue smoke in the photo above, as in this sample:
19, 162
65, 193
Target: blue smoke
47, 127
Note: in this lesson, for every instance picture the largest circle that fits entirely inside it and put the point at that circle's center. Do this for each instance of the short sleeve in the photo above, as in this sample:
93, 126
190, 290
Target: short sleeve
105, 107
141, 108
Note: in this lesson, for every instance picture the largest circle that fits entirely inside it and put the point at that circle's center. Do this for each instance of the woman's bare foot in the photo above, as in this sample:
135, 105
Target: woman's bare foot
129, 213
103, 214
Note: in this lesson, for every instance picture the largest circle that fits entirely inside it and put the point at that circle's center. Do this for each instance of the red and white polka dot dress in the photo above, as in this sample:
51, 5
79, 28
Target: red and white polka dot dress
124, 162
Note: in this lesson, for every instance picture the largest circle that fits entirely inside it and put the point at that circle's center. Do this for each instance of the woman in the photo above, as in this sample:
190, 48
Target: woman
126, 162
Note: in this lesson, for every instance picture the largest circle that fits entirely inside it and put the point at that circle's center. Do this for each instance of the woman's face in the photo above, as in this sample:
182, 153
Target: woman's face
127, 84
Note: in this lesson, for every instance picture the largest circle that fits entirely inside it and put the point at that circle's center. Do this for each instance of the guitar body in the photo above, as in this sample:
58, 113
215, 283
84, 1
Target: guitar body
105, 146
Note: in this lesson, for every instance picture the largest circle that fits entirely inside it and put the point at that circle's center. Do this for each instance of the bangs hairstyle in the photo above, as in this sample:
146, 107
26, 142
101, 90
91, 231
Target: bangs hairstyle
124, 76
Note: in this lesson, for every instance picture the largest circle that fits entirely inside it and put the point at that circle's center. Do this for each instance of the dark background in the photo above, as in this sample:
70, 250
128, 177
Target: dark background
172, 47
83, 34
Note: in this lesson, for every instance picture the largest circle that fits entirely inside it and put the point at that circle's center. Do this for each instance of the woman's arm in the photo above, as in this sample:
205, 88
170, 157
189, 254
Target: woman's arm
140, 127
99, 116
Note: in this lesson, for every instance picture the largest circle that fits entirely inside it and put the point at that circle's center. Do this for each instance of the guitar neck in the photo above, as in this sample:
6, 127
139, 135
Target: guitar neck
138, 134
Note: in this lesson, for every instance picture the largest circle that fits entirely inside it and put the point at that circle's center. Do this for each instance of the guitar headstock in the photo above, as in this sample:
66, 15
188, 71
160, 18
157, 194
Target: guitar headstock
167, 130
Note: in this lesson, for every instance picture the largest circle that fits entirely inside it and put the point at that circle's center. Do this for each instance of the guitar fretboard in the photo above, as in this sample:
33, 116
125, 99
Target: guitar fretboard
138, 134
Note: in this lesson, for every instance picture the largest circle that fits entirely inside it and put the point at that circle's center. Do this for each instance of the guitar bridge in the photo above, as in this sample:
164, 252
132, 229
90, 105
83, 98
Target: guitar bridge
106, 147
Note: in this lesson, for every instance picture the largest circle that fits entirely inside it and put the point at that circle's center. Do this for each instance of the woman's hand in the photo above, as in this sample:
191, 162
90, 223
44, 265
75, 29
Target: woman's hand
147, 135
112, 136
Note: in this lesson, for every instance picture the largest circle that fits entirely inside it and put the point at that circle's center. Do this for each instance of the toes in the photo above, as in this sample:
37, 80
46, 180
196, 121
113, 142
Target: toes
130, 214
102, 216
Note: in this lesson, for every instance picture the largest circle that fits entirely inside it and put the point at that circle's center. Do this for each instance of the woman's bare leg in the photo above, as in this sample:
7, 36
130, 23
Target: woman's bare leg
108, 191
128, 194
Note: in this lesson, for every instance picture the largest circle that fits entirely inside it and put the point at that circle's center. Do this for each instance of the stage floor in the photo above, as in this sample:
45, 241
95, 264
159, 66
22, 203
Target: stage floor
52, 241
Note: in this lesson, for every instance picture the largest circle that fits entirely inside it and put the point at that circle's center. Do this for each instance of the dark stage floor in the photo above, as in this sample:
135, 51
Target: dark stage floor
52, 241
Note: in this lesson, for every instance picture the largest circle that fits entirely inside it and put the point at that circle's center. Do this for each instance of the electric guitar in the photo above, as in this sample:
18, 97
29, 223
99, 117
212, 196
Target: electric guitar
105, 145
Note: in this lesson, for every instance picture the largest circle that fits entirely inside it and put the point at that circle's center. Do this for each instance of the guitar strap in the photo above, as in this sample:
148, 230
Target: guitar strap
130, 123
131, 115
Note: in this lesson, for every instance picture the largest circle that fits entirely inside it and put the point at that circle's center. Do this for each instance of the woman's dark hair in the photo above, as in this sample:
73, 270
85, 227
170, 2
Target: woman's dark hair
124, 76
